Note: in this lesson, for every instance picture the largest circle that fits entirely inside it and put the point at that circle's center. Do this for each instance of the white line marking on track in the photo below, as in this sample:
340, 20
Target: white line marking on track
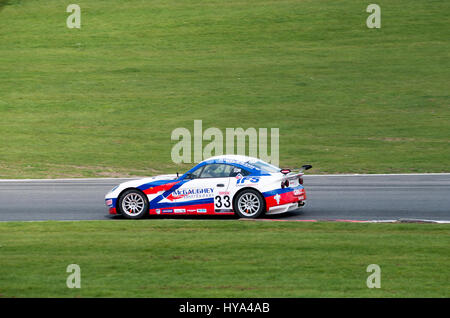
355, 221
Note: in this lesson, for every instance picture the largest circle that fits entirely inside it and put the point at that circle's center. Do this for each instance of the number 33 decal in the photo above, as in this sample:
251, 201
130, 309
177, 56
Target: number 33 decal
224, 201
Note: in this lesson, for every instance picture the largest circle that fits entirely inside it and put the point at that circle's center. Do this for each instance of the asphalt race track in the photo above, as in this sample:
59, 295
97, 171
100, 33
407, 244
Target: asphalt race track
336, 197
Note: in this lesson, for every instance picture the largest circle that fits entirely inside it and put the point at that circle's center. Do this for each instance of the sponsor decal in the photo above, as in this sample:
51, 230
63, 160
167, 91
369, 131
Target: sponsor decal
298, 192
201, 210
172, 197
245, 164
247, 180
167, 211
179, 210
191, 210
159, 188
191, 194
277, 198
158, 211
224, 193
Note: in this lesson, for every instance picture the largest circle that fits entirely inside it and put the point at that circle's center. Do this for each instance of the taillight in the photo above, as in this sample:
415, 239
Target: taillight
285, 184
300, 180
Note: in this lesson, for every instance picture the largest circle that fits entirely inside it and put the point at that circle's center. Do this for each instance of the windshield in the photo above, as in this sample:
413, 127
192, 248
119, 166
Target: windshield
265, 166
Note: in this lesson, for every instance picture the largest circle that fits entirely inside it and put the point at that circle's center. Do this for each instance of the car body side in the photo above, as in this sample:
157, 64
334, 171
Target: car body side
169, 194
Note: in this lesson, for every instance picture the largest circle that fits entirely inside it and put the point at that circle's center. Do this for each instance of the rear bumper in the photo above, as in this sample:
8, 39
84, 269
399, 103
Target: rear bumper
284, 208
284, 200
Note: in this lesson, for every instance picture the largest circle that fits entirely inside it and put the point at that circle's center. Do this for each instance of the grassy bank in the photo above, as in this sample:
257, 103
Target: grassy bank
103, 100
173, 258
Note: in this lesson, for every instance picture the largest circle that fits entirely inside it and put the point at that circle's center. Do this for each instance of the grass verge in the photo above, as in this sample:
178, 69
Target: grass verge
185, 258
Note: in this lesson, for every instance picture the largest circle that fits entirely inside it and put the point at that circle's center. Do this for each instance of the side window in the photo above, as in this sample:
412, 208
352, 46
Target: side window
236, 171
216, 170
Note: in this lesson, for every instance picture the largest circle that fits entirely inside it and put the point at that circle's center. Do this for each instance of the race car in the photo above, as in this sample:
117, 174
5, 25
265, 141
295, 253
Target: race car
221, 185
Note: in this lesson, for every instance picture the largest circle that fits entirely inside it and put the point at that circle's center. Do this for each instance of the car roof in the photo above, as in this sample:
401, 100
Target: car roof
240, 161
231, 158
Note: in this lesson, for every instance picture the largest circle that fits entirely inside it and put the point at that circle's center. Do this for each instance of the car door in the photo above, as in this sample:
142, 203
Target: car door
213, 181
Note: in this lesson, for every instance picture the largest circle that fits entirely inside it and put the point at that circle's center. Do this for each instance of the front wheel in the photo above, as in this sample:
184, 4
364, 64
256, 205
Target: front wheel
249, 204
133, 204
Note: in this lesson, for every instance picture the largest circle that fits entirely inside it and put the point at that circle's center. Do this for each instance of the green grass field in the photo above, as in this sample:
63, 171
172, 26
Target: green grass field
103, 100
173, 258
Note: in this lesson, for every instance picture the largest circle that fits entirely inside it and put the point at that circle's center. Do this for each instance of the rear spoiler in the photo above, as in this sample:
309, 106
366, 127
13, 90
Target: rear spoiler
288, 174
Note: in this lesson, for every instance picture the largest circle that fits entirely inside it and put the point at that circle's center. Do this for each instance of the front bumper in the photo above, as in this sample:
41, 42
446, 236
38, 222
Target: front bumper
111, 204
112, 211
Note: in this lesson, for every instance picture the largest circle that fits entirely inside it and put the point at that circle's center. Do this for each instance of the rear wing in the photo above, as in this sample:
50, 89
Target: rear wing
292, 175
288, 174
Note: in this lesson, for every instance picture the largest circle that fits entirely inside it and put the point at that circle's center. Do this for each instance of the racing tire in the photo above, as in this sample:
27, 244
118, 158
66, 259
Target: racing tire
249, 204
133, 204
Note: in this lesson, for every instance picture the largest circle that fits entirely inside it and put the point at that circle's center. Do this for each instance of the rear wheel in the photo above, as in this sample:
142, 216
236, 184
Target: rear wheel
249, 204
133, 204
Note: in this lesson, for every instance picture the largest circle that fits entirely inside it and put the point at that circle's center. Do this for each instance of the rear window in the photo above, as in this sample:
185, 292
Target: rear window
265, 166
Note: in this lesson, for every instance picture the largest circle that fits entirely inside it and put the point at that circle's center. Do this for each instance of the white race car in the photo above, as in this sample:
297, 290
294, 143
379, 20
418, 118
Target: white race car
222, 185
